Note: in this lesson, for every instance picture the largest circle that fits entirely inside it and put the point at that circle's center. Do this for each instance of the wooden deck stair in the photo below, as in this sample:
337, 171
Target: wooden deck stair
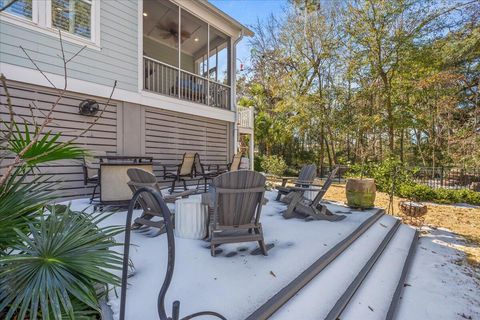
361, 279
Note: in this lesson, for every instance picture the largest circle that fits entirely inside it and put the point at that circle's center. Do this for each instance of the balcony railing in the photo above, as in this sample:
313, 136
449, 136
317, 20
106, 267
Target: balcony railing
245, 117
164, 79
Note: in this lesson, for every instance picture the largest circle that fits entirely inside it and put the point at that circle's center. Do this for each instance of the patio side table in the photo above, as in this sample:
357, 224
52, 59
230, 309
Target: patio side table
191, 218
310, 195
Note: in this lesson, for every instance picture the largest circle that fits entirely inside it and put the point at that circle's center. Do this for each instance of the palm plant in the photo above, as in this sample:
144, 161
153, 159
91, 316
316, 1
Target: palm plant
20, 200
21, 203
58, 266
51, 263
44, 149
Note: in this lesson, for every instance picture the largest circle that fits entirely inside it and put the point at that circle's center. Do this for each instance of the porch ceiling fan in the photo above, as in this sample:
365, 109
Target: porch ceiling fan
170, 31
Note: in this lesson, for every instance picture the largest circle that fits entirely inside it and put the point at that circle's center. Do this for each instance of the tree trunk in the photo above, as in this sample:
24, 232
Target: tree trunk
330, 162
401, 144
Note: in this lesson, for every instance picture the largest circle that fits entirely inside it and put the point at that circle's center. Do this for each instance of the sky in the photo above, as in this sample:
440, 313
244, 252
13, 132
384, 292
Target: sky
247, 12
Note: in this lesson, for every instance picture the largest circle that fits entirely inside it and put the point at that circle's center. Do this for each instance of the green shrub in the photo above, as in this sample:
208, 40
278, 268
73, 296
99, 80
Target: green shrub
384, 173
420, 192
405, 187
257, 163
274, 165
291, 172
416, 192
59, 266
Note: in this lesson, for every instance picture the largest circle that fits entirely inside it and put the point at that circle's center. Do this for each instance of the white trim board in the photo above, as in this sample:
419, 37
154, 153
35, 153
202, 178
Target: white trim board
20, 74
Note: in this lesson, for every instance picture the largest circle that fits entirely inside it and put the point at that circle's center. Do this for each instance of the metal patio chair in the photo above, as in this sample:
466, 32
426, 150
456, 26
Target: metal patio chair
91, 169
184, 171
203, 172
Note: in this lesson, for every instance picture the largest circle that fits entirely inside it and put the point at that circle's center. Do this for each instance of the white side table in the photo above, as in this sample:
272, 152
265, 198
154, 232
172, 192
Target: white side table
310, 195
191, 215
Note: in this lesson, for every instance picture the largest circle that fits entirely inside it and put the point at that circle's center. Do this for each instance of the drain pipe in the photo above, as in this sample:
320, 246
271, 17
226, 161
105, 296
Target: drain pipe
234, 91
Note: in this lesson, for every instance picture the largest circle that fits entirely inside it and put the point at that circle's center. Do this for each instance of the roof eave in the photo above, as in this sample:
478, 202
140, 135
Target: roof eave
245, 30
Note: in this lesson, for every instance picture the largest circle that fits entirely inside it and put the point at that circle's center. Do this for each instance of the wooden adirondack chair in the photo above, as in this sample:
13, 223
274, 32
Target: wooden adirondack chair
141, 178
305, 179
312, 209
237, 198
184, 171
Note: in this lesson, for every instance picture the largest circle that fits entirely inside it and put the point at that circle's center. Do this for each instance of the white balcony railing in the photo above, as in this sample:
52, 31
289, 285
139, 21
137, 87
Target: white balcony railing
164, 79
245, 117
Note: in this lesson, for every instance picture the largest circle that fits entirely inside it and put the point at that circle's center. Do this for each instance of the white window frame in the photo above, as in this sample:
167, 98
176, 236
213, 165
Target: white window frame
42, 22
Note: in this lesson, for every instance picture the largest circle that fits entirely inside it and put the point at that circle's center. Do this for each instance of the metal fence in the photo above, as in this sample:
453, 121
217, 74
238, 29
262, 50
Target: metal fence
447, 177
324, 171
436, 177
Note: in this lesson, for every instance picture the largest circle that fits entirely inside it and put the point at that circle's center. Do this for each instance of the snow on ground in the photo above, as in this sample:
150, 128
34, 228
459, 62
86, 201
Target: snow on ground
235, 286
440, 284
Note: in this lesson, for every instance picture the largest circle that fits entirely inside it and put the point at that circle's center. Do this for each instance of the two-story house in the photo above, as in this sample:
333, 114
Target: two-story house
174, 61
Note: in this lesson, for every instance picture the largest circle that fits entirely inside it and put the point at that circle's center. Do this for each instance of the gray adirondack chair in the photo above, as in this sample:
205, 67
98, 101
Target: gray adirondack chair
236, 198
141, 178
305, 179
312, 209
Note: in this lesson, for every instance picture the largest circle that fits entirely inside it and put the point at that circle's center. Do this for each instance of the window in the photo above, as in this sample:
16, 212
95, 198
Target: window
21, 8
78, 19
73, 16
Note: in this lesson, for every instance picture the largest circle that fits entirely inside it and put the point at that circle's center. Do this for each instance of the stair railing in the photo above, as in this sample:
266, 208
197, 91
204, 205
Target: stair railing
170, 261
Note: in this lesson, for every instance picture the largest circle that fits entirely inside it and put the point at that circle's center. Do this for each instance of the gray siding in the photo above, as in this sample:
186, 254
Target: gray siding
101, 137
168, 135
124, 128
117, 59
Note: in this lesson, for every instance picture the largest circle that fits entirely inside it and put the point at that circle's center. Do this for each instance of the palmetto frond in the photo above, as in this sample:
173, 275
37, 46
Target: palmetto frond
65, 256
20, 203
45, 149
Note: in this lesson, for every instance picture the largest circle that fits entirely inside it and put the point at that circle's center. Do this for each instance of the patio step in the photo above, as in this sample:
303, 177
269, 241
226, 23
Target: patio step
378, 294
329, 294
282, 297
350, 291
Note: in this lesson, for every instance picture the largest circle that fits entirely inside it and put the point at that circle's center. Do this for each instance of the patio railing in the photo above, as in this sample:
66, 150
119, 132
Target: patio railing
171, 81
160, 77
245, 117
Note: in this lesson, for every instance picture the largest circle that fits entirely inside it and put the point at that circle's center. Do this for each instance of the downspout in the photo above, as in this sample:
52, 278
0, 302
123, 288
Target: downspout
234, 91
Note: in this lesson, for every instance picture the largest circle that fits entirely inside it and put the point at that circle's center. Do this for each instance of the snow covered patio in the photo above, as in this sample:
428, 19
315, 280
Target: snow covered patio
236, 283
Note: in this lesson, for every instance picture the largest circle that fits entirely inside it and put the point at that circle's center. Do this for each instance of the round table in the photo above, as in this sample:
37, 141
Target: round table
191, 217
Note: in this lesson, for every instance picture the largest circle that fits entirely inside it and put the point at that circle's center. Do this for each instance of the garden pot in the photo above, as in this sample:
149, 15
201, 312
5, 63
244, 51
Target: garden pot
361, 193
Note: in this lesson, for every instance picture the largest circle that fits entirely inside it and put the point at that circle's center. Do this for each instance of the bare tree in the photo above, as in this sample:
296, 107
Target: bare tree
22, 154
